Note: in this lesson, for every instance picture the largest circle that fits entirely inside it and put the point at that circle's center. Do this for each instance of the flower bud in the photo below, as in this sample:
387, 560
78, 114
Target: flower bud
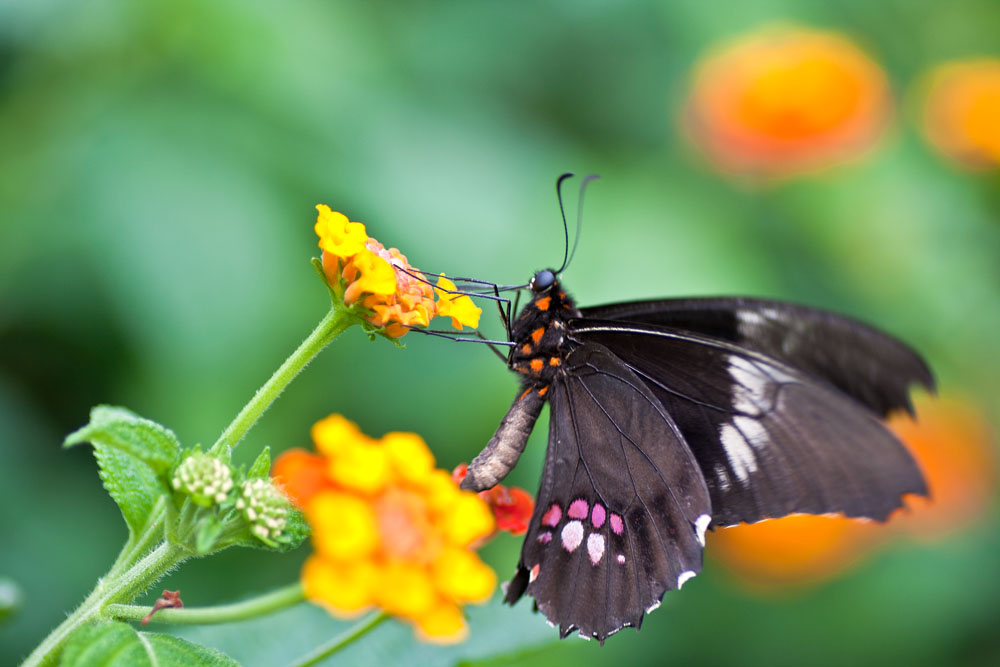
206, 479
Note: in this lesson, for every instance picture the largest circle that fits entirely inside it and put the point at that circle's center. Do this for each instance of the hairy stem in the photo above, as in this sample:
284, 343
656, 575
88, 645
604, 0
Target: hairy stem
111, 589
325, 332
223, 613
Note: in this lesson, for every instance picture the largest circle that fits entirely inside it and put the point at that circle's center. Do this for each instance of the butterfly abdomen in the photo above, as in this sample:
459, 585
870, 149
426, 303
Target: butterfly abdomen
541, 345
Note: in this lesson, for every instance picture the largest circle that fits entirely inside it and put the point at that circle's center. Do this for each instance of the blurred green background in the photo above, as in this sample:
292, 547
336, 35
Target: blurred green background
159, 164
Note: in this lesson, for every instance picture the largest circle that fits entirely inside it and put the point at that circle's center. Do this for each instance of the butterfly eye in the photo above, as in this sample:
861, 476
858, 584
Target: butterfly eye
542, 280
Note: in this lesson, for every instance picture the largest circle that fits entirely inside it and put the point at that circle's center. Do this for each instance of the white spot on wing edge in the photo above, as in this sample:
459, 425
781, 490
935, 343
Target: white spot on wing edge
741, 457
653, 607
681, 580
700, 526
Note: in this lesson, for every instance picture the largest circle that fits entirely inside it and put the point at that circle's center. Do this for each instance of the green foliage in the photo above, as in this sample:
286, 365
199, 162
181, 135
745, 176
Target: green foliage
115, 644
121, 429
131, 483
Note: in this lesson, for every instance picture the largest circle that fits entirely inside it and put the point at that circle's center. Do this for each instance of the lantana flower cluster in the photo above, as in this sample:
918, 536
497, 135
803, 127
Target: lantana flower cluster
389, 530
393, 294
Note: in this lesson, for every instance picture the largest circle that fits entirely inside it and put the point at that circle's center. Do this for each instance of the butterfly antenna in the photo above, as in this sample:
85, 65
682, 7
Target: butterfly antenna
562, 211
579, 216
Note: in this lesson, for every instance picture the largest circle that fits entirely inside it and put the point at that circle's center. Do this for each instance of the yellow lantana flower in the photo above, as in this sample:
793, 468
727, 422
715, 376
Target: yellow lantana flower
388, 529
395, 295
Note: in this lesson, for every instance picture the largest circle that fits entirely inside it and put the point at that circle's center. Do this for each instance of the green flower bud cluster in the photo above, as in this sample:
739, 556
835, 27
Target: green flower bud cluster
204, 478
265, 508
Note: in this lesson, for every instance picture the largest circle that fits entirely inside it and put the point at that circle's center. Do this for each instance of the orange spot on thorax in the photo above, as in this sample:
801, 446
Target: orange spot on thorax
537, 365
543, 303
537, 334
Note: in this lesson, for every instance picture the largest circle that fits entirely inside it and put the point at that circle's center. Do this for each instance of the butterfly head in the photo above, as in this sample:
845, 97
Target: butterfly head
542, 281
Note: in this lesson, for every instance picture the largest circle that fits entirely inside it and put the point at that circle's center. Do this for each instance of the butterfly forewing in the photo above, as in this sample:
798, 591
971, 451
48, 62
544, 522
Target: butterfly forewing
622, 507
770, 440
860, 361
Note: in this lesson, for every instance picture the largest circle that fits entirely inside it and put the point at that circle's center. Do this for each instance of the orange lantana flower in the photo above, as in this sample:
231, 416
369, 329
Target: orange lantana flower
393, 294
388, 529
784, 99
961, 114
956, 452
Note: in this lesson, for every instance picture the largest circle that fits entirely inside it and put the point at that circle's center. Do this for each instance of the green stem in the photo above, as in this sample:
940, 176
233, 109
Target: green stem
341, 641
223, 613
126, 586
325, 332
140, 543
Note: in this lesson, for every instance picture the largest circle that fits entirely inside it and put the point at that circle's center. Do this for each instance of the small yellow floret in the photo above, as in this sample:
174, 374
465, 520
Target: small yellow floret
459, 308
467, 519
345, 589
362, 467
344, 526
462, 577
336, 433
409, 456
337, 235
405, 589
377, 277
444, 624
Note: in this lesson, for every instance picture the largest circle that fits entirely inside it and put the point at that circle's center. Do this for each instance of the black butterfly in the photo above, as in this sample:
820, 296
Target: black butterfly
671, 416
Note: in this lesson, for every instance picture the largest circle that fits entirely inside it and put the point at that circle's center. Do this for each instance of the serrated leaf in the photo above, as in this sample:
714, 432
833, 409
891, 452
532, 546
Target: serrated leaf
132, 484
152, 443
261, 466
117, 644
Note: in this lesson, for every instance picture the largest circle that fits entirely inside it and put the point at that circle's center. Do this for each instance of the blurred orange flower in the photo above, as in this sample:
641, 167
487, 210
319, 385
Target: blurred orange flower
388, 529
394, 294
957, 453
961, 113
785, 99
512, 506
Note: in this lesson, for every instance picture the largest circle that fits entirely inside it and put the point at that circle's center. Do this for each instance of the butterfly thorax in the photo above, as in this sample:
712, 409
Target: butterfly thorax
539, 334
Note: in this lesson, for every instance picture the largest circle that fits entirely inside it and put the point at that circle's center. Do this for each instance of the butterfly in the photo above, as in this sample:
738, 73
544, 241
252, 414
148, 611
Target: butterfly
672, 416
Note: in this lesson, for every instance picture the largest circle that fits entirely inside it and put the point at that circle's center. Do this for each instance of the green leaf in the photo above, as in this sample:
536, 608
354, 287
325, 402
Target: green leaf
261, 466
495, 630
132, 484
151, 443
116, 644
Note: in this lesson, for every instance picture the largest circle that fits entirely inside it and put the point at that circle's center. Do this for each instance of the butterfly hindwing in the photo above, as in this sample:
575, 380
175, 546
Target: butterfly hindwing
770, 440
622, 506
860, 361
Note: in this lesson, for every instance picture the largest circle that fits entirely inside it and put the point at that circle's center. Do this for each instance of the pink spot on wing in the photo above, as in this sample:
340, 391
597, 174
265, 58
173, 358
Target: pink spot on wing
595, 547
621, 559
597, 515
534, 572
578, 509
552, 516
572, 535
616, 524
545, 537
